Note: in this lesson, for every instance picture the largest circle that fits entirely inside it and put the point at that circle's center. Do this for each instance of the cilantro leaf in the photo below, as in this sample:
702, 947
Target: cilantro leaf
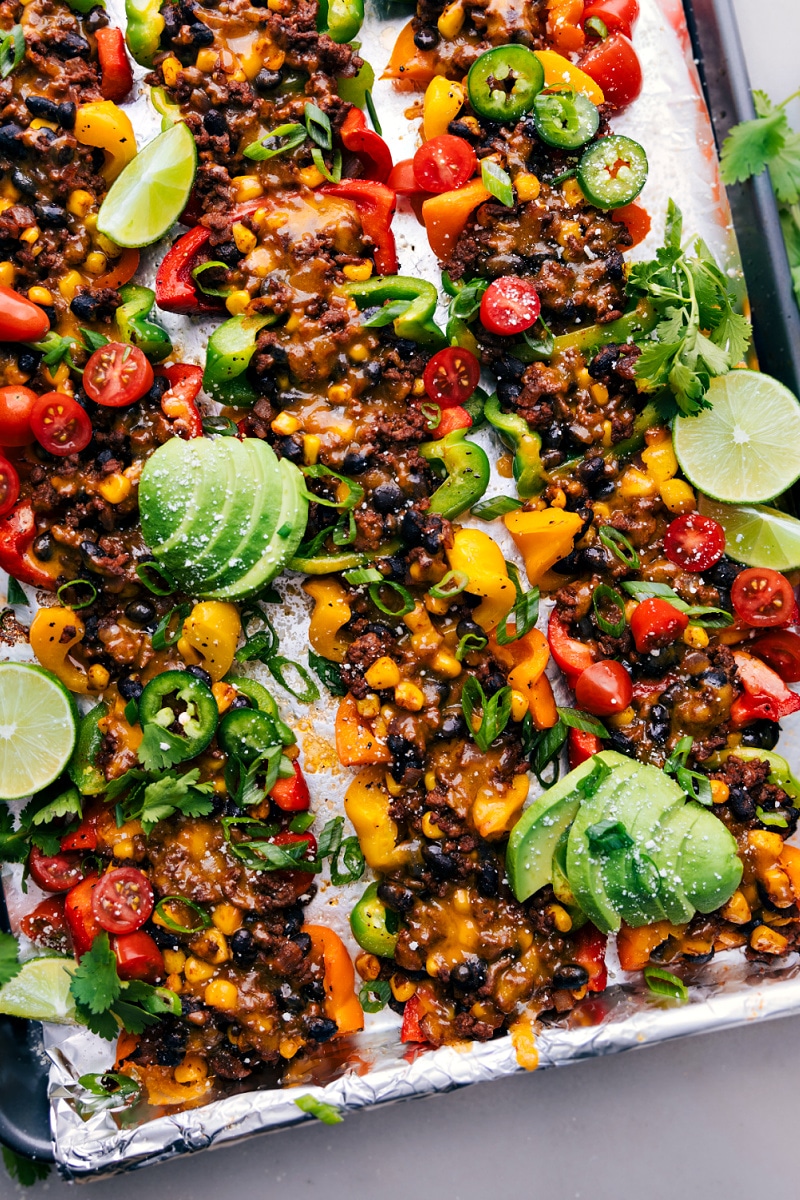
160, 749
14, 843
784, 171
68, 804
9, 966
25, 1171
133, 1018
749, 146
95, 984
174, 793
102, 1023
16, 595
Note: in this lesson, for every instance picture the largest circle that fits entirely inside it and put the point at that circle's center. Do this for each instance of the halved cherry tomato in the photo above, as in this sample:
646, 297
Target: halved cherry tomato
54, 872
617, 15
451, 376
781, 651
9, 486
20, 319
47, 925
604, 688
15, 415
84, 838
444, 163
452, 419
615, 66
291, 795
582, 746
762, 597
570, 655
299, 881
510, 305
766, 696
402, 179
60, 424
122, 900
694, 542
81, 922
138, 957
635, 219
117, 375
656, 623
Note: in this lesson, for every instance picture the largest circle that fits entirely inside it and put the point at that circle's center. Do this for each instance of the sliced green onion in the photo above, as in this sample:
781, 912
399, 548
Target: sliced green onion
318, 126
171, 923
613, 598
302, 822
618, 544
374, 996
497, 181
432, 414
345, 532
333, 175
469, 644
452, 584
525, 614
327, 1113
771, 818
495, 712
277, 666
220, 427
359, 575
292, 136
163, 634
373, 116
497, 506
664, 983
407, 602
164, 585
77, 583
12, 51
574, 718
355, 491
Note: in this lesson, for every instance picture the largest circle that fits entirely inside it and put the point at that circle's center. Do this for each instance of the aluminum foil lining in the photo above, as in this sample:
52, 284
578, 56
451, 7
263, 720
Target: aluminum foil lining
671, 121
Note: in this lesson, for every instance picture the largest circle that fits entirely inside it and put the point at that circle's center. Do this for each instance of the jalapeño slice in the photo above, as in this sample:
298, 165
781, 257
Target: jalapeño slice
247, 734
504, 82
565, 119
613, 171
184, 707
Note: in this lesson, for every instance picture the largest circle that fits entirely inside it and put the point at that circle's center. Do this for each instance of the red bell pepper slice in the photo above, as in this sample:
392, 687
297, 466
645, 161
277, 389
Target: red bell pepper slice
572, 656
452, 419
116, 76
590, 952
582, 746
81, 921
17, 531
368, 146
766, 696
84, 838
411, 1030
292, 795
403, 180
178, 404
138, 957
376, 204
176, 291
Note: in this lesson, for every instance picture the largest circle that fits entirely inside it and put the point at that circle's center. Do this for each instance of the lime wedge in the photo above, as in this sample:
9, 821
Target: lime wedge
38, 723
746, 448
151, 192
756, 535
40, 991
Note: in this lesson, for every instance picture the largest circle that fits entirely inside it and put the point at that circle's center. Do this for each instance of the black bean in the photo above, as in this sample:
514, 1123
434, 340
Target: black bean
84, 306
241, 701
426, 38
51, 214
141, 612
214, 122
571, 976
290, 448
509, 367
95, 19
28, 360
762, 734
267, 81
129, 688
714, 677
11, 144
90, 551
453, 725
658, 726
469, 975
387, 497
723, 573
200, 674
200, 34
44, 109
379, 629
242, 947
158, 388
397, 567
591, 472
742, 807
314, 992
303, 941
321, 1029
44, 546
442, 865
227, 252
355, 463
396, 896
595, 558
24, 182
292, 920
288, 1001
70, 45
373, 371
487, 878
103, 457
508, 391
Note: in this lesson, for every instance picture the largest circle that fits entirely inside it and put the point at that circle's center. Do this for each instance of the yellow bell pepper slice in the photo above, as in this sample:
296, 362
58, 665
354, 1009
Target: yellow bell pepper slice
367, 803
527, 658
210, 636
54, 632
331, 612
444, 100
101, 123
495, 812
543, 537
561, 74
481, 560
341, 1001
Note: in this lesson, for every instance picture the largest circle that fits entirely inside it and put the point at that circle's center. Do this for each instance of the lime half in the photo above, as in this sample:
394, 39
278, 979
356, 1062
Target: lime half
756, 535
151, 193
746, 448
40, 991
38, 722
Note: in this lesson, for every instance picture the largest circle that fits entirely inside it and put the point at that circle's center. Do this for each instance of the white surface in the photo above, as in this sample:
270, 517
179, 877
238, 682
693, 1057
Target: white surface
678, 1119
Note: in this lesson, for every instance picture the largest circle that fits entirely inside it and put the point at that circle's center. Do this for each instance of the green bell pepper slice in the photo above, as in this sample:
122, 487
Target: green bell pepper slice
265, 703
230, 349
517, 434
375, 927
340, 19
144, 28
82, 769
170, 113
467, 473
412, 320
133, 326
626, 328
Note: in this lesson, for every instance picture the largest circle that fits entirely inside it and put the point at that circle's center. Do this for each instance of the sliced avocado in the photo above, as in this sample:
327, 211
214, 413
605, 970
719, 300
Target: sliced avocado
291, 526
634, 887
173, 479
561, 889
708, 864
676, 828
262, 519
584, 864
213, 536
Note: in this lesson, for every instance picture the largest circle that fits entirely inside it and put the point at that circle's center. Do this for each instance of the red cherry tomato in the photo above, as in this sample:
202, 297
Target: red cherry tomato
83, 838
590, 952
694, 542
451, 376
20, 319
656, 623
402, 179
444, 163
291, 795
81, 922
138, 957
570, 655
122, 900
60, 424
582, 746
54, 873
615, 66
15, 415
635, 219
781, 651
117, 375
47, 925
766, 697
604, 688
617, 15
762, 597
510, 305
299, 881
9, 486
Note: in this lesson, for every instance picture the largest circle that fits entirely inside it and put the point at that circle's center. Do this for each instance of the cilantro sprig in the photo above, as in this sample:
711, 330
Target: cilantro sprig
104, 1003
699, 334
141, 798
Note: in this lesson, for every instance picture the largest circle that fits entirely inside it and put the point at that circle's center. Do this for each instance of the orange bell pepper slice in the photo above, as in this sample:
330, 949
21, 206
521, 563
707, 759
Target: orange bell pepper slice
542, 703
446, 215
121, 271
341, 1001
356, 744
635, 946
408, 61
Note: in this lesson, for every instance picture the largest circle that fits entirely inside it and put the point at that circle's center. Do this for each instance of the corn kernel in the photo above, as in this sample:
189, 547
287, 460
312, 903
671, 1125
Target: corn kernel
211, 946
418, 387
7, 274
660, 461
90, 221
96, 262
601, 510
409, 696
69, 284
695, 636
79, 202
285, 423
430, 828
571, 191
238, 302
451, 20
310, 177
196, 971
445, 663
311, 447
171, 70
599, 393
583, 379
384, 673
339, 393
402, 989
224, 695
719, 791
368, 966
561, 918
677, 495
369, 706
9, 191
193, 1069
227, 918
430, 781
392, 786
30, 235
39, 123
175, 983
527, 187
40, 295
207, 59
98, 678
358, 352
248, 187
608, 434
115, 488
5, 203
124, 848
436, 605
559, 499
569, 229
621, 719
519, 705
768, 941
174, 961
636, 483
358, 272
244, 238
287, 1047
